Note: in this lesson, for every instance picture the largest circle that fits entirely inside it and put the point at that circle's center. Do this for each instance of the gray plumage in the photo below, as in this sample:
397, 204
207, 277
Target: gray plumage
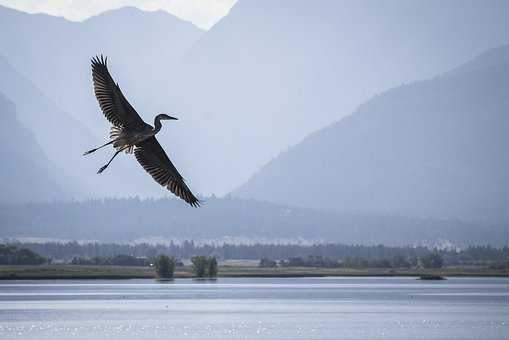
130, 133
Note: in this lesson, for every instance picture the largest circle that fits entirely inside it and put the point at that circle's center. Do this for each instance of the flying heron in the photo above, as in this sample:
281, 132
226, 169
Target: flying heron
130, 133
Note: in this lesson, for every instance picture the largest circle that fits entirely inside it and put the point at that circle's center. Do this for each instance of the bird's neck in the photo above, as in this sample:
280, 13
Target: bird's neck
157, 125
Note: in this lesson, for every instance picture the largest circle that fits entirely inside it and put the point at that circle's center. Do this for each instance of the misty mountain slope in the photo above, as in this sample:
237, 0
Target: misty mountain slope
51, 125
64, 139
55, 53
435, 148
126, 220
59, 135
264, 77
271, 72
27, 175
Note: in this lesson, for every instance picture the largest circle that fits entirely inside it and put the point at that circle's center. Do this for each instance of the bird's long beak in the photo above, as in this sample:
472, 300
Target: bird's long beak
172, 118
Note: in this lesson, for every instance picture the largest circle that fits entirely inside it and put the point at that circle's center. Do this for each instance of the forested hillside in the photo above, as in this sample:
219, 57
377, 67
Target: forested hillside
230, 220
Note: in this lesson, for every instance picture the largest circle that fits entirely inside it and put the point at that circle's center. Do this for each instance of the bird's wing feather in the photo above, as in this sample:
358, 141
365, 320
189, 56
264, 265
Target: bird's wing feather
111, 100
154, 160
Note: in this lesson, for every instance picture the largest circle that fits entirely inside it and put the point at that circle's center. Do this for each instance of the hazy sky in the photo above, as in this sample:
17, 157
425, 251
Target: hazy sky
203, 13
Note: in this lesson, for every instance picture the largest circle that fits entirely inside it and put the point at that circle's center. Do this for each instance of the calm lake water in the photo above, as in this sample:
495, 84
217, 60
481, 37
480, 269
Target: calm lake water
289, 308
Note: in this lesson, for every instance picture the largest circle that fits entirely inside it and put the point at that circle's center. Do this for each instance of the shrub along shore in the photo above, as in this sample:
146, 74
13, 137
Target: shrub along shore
17, 262
65, 271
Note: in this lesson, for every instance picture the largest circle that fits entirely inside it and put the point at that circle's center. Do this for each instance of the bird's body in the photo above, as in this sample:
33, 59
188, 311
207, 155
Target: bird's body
129, 139
130, 133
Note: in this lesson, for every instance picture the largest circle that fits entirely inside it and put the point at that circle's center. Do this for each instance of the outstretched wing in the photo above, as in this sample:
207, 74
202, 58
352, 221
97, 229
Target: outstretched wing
154, 160
111, 100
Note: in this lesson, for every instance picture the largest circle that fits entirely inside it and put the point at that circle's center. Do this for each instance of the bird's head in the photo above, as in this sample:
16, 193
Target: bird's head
159, 117
163, 116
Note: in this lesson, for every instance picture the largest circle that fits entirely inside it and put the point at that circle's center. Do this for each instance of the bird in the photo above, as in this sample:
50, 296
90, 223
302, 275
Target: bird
131, 134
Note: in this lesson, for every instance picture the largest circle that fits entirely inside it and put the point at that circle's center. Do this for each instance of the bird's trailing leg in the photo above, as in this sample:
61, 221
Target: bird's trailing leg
102, 146
115, 155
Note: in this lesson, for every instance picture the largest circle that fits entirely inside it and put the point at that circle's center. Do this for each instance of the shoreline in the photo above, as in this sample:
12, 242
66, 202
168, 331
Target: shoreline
80, 272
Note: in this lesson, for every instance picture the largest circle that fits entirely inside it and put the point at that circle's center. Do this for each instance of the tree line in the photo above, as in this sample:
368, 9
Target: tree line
67, 251
117, 260
431, 260
12, 255
117, 220
203, 266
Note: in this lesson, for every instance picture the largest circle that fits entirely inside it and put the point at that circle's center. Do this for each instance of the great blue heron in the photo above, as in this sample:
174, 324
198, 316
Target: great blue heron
130, 133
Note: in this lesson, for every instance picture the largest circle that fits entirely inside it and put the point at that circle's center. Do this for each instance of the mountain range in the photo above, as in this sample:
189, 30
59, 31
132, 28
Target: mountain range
63, 139
433, 148
27, 175
262, 79
55, 54
272, 72
45, 68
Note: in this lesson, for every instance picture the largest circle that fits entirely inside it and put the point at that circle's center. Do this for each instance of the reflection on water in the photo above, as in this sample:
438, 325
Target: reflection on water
282, 308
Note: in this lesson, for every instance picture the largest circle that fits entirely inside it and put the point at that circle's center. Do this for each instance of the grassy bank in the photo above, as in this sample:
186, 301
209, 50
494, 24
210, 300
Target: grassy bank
57, 271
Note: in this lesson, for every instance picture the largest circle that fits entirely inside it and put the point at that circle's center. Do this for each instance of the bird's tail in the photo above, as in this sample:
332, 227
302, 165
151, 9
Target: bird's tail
116, 132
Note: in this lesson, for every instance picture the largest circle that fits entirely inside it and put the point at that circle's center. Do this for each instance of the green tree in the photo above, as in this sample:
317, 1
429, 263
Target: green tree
200, 265
14, 256
165, 267
212, 266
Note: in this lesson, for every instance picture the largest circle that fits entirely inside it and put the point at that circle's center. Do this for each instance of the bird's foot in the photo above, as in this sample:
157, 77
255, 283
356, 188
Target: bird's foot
89, 152
102, 169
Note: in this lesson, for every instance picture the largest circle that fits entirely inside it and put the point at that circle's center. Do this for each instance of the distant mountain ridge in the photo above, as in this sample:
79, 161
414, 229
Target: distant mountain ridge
26, 173
45, 68
55, 53
271, 72
435, 148
263, 78
494, 57
55, 132
61, 137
